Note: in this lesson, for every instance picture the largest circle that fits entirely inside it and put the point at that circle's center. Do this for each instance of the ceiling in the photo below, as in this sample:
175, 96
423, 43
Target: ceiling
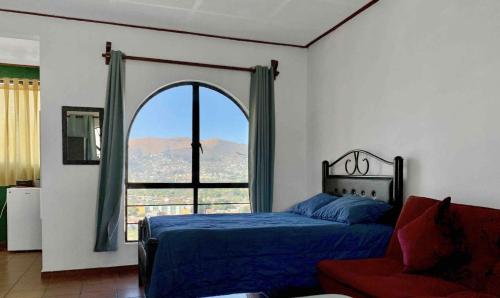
283, 21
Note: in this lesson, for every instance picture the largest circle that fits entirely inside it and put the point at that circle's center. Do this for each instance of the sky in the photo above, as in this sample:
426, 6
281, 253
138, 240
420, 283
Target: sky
169, 114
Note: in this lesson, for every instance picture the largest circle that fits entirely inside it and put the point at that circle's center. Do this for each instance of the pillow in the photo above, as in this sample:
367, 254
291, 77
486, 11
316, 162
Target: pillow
308, 207
425, 240
353, 210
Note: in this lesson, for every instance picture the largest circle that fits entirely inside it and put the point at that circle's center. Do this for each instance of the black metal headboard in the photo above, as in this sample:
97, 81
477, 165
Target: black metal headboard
357, 180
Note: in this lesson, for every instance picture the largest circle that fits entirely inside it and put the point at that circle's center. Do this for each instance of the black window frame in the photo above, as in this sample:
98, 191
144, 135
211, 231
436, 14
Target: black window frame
195, 183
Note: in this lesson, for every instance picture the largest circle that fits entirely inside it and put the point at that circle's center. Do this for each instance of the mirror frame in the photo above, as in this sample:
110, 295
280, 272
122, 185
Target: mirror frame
66, 109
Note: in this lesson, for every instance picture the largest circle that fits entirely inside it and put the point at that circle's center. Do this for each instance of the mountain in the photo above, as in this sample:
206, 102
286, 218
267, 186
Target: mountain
150, 146
170, 160
216, 147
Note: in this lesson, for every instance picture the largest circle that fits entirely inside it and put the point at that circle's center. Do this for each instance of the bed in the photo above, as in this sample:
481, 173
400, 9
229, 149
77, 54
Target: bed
206, 255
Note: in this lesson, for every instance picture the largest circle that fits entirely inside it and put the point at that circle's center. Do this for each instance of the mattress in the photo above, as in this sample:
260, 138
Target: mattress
206, 255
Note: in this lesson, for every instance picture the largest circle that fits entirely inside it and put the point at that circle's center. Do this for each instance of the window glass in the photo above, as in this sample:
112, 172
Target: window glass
224, 137
159, 147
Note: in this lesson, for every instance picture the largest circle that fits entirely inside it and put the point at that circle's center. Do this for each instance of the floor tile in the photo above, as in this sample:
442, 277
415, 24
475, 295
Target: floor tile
64, 284
25, 294
98, 287
62, 291
99, 294
20, 277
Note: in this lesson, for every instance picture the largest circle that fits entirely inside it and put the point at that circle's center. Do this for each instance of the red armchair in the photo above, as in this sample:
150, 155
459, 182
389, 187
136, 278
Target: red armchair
384, 277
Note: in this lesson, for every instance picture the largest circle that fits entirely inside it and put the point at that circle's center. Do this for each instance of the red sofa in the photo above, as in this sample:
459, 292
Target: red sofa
384, 277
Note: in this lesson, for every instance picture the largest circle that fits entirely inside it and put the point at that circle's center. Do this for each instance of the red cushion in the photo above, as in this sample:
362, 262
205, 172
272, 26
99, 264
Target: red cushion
413, 208
477, 233
383, 278
482, 240
425, 240
345, 270
481, 227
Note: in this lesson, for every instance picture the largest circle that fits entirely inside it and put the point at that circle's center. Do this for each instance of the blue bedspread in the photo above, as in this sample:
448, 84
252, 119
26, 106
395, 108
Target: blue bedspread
204, 255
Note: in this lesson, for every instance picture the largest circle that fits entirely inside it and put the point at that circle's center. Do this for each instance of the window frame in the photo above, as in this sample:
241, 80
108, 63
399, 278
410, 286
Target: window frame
195, 183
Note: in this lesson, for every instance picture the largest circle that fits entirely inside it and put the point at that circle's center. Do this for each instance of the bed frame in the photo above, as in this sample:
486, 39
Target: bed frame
356, 180
146, 251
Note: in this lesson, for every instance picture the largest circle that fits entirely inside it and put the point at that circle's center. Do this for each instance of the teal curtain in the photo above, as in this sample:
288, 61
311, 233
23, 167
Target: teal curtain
83, 126
261, 143
112, 159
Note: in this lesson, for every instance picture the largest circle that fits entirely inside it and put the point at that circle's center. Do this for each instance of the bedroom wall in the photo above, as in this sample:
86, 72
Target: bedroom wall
19, 51
419, 79
73, 73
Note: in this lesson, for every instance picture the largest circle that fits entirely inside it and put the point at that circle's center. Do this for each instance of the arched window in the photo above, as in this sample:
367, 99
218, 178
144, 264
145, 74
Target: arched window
187, 153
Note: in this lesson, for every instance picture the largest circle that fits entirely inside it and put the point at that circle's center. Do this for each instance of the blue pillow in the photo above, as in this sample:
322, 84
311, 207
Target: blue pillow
353, 210
308, 206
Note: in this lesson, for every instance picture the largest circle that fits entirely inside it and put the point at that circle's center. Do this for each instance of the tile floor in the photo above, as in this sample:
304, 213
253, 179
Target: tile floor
20, 278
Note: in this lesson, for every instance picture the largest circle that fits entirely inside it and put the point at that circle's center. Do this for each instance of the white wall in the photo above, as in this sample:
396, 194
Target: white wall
73, 73
415, 78
19, 51
419, 79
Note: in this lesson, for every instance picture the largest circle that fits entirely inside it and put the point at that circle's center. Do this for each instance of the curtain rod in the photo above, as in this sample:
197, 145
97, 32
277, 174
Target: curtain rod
107, 57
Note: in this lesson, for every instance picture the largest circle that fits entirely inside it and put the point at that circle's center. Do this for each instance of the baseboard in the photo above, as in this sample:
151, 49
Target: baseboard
3, 245
92, 271
25, 251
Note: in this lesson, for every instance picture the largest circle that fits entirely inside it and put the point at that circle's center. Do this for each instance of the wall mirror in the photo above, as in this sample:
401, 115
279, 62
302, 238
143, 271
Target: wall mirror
81, 131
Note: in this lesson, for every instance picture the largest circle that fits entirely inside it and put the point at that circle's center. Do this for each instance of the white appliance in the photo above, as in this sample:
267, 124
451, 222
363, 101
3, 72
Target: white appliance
24, 226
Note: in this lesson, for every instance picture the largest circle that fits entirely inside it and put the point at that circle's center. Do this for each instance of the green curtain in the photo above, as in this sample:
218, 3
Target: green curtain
112, 159
83, 126
261, 143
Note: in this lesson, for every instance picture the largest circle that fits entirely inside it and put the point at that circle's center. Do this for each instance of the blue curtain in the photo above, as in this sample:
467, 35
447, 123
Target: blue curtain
112, 159
261, 143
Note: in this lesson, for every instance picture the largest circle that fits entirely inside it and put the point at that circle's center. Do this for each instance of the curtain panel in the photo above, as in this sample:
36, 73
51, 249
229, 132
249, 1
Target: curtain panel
261, 143
111, 171
19, 130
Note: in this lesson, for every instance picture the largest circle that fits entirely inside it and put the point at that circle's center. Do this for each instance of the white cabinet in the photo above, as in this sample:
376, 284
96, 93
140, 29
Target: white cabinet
24, 227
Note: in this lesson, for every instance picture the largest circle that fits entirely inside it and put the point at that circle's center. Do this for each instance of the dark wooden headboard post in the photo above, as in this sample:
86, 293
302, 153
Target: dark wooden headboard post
325, 166
398, 182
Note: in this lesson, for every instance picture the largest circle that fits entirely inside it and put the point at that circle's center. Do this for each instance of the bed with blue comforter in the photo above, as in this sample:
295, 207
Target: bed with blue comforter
205, 255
